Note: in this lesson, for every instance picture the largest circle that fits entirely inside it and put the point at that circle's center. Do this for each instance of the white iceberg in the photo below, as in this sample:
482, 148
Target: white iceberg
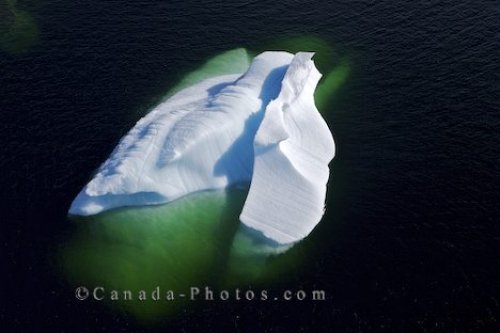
260, 126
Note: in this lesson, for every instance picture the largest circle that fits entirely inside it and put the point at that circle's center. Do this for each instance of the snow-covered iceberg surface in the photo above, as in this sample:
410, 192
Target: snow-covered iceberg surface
260, 126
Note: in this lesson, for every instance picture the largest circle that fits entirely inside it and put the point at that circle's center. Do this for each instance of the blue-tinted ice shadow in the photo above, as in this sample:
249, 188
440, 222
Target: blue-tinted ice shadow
216, 89
240, 154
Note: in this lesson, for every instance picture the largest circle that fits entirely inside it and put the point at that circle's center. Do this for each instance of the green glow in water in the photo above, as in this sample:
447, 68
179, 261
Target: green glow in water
196, 240
231, 62
324, 57
18, 30
173, 246
193, 241
329, 85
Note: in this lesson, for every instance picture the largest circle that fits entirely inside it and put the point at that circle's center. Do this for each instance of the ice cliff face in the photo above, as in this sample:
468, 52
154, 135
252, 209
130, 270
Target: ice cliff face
260, 127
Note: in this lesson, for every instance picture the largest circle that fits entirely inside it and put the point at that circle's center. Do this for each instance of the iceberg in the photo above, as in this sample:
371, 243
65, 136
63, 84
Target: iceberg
259, 127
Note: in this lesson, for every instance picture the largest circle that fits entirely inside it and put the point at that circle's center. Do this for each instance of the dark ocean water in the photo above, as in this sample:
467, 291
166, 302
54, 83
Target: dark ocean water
410, 240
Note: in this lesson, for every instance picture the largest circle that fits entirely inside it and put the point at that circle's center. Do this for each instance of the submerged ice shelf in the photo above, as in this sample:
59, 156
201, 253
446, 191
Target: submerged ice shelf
260, 126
